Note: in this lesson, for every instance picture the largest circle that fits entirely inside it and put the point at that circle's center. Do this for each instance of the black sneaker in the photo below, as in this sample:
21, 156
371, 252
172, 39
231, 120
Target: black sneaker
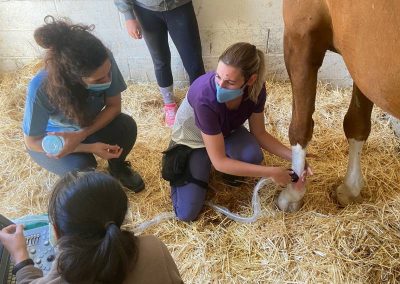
126, 175
232, 180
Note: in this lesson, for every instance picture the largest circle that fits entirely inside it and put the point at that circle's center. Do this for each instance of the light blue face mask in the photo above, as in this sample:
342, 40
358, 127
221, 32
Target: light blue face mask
100, 87
224, 95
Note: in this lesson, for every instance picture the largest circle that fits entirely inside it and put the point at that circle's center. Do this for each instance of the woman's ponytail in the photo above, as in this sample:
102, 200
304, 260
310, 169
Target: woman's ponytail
114, 255
261, 74
88, 210
106, 259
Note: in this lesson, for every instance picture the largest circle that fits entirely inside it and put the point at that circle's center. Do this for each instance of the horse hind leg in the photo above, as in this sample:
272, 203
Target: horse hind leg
357, 126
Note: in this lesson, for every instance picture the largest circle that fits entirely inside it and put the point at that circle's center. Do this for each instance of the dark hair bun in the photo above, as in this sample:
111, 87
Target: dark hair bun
51, 33
54, 33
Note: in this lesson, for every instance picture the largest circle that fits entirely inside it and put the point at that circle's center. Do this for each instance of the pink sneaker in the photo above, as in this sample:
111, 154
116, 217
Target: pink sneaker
170, 112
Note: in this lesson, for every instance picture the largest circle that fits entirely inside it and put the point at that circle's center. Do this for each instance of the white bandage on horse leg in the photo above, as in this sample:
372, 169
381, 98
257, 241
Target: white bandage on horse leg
298, 159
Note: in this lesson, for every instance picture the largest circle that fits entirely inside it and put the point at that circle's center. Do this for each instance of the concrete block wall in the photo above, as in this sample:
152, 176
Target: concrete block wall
221, 23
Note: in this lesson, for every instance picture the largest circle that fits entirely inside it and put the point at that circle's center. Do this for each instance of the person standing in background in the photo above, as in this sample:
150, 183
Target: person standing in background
153, 20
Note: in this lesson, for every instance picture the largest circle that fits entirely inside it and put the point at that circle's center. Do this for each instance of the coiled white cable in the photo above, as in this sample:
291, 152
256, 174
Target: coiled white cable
255, 202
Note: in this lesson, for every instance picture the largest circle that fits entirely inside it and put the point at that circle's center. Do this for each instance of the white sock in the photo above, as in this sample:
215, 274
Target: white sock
168, 94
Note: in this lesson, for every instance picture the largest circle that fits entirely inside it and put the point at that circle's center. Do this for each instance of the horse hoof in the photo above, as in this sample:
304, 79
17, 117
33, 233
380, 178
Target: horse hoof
286, 205
345, 197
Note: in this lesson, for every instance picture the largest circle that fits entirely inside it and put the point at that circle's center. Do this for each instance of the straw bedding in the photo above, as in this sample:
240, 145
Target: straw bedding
321, 243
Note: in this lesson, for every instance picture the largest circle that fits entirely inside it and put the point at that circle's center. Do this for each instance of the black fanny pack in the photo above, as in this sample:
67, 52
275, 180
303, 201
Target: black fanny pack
175, 166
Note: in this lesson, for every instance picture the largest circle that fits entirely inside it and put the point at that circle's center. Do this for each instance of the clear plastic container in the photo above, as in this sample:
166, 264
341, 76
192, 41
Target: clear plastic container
52, 144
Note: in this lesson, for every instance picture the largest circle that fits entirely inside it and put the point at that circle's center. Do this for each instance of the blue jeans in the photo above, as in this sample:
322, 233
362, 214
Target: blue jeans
188, 200
181, 24
121, 131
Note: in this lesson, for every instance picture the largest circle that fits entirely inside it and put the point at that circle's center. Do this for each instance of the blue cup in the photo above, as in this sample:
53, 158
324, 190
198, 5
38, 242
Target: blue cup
52, 144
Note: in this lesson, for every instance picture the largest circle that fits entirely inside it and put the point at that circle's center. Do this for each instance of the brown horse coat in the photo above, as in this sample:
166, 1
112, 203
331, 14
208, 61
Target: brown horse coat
367, 34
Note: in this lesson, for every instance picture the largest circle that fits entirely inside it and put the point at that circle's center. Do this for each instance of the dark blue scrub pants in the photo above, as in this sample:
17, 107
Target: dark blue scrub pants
188, 200
122, 131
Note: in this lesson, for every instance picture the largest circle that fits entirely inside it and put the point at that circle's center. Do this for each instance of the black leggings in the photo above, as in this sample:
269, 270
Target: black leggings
181, 23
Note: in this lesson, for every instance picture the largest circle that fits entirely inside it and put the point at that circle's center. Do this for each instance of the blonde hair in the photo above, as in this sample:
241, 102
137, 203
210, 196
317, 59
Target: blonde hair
249, 60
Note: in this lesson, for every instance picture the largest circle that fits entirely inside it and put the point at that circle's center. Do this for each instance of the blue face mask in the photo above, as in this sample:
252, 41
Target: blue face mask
100, 87
225, 95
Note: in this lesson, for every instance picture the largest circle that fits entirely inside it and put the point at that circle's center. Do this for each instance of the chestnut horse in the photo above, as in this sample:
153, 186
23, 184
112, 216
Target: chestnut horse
367, 35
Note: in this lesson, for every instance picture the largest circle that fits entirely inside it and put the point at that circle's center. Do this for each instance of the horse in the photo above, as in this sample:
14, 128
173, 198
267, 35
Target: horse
366, 33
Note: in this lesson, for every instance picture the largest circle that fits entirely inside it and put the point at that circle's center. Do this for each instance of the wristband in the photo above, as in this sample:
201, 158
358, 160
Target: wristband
21, 265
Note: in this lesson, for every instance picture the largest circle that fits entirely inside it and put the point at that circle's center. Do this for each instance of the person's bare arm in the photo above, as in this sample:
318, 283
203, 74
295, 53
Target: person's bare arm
216, 151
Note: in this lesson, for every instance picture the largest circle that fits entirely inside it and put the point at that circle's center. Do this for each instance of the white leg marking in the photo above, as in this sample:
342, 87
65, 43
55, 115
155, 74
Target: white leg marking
349, 191
353, 179
290, 199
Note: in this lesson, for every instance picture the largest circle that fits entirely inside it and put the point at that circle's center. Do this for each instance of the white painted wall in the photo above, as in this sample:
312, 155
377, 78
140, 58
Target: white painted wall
221, 22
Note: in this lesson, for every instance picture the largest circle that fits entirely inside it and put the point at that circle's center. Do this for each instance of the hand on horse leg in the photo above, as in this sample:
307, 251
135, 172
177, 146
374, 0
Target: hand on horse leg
291, 198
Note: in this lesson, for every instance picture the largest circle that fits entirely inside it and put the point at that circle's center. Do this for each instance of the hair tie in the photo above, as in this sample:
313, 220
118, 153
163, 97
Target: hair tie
108, 224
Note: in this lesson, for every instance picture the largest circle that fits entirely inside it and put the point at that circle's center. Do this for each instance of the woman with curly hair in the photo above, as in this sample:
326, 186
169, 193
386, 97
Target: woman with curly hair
76, 98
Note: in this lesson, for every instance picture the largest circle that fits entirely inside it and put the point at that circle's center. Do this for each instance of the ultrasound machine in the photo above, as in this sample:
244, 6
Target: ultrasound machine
39, 247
